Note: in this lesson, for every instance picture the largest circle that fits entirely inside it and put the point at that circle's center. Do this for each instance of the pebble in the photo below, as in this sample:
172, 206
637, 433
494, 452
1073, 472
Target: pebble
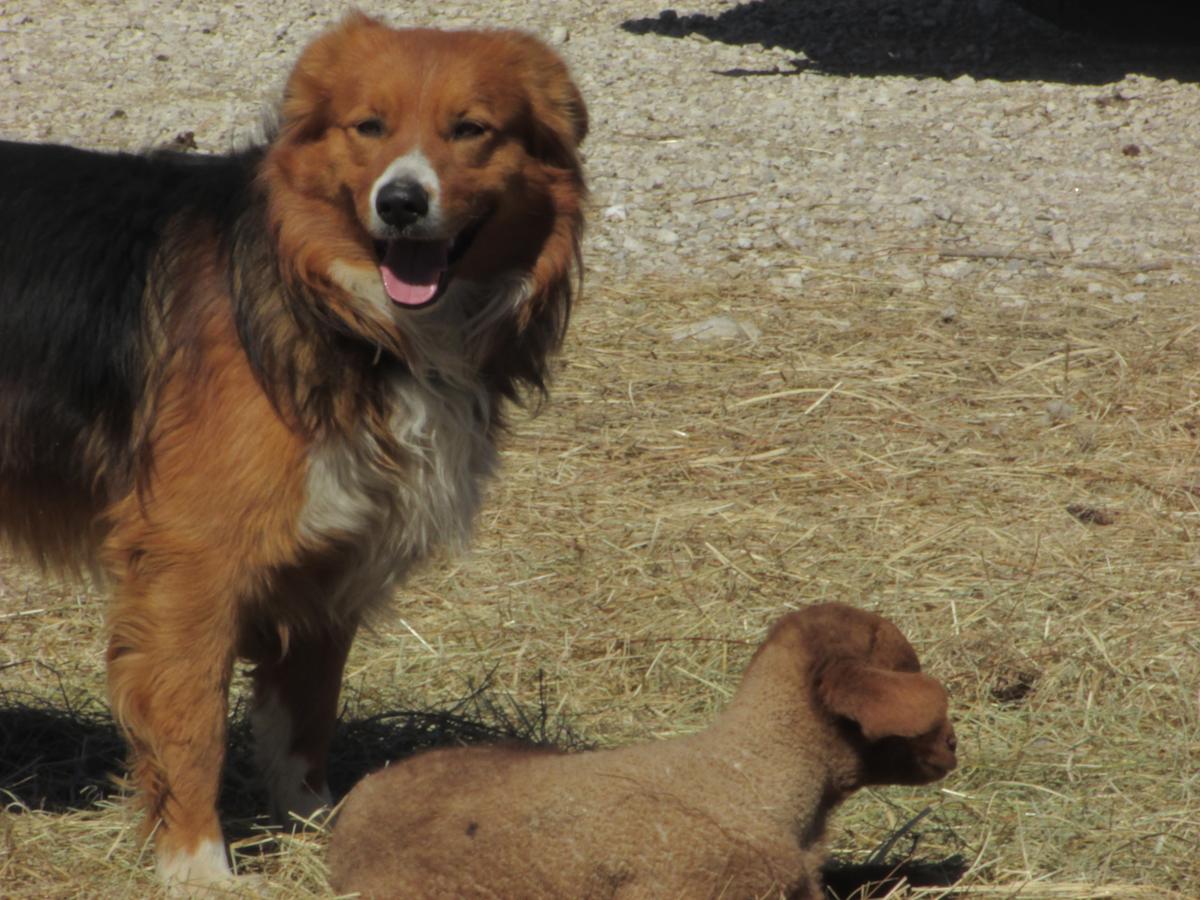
1059, 411
718, 328
955, 270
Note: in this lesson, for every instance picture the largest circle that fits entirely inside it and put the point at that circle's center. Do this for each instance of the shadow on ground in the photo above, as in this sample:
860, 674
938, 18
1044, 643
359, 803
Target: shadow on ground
56, 758
863, 881
68, 755
924, 38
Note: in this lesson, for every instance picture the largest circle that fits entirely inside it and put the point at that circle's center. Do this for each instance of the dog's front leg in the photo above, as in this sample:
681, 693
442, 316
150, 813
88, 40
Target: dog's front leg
296, 686
170, 657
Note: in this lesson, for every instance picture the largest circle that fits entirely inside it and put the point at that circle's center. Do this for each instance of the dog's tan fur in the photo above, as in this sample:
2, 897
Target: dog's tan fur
833, 700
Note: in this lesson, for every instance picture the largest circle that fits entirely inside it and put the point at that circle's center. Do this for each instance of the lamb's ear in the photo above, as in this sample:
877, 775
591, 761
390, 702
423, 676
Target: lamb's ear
883, 703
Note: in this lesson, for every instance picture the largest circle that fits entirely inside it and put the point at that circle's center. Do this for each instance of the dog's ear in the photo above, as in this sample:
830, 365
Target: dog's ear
308, 94
883, 703
304, 112
559, 114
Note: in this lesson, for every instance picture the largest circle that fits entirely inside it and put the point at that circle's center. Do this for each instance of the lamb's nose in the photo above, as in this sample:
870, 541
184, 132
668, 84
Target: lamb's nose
402, 202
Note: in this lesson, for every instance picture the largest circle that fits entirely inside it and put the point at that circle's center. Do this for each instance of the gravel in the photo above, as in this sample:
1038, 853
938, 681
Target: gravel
930, 143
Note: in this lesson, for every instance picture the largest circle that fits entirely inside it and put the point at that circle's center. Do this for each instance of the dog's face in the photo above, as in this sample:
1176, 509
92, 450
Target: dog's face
429, 158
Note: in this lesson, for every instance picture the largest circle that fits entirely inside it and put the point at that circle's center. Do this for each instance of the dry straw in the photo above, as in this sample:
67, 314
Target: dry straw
1016, 484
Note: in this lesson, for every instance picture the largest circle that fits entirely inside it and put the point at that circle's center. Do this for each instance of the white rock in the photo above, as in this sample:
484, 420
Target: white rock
916, 217
1060, 236
718, 328
1059, 411
956, 269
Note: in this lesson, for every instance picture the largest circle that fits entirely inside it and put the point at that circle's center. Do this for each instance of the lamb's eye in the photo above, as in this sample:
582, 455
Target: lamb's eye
465, 129
372, 127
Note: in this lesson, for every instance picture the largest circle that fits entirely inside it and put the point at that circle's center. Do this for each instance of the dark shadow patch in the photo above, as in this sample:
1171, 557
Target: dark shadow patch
57, 757
862, 881
884, 871
925, 38
67, 755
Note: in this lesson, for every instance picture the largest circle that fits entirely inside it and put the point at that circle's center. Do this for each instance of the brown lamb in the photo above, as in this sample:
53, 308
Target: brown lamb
833, 700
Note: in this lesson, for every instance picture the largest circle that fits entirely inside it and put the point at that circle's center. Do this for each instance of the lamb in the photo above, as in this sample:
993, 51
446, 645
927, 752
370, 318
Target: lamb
833, 700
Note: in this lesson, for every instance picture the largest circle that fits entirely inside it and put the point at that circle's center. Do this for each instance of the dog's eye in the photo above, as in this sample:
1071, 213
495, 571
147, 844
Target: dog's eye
465, 129
372, 127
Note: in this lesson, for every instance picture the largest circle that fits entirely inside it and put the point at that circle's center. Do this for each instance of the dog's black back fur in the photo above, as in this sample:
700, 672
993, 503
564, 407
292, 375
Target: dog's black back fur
82, 235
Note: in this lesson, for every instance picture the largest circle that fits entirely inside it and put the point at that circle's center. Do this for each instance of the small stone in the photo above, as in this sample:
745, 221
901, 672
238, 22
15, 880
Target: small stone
954, 270
1060, 236
616, 213
559, 35
916, 217
718, 328
1059, 411
666, 236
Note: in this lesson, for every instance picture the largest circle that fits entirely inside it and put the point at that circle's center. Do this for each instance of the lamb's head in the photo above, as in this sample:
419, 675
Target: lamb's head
867, 678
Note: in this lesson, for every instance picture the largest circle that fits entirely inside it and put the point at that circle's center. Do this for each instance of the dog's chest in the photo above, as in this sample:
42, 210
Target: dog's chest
390, 514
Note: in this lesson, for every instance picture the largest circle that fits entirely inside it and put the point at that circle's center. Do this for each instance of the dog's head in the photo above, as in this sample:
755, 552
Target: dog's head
420, 168
866, 676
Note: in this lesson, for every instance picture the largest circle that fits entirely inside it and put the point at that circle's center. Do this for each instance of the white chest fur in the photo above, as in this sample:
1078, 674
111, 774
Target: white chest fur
395, 515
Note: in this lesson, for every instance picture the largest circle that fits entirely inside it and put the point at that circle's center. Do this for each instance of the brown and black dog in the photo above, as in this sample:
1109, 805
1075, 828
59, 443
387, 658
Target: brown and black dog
254, 390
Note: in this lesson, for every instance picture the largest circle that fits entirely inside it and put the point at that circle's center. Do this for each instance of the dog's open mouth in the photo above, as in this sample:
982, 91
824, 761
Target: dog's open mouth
415, 272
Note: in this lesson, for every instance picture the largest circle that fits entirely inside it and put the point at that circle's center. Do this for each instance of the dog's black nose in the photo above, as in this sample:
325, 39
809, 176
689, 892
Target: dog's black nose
401, 202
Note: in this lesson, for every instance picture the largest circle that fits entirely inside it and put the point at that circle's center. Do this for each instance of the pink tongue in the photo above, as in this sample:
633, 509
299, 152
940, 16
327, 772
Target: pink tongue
411, 270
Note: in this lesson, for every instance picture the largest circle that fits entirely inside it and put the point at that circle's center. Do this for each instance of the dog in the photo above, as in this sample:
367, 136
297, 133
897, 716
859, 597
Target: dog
253, 390
833, 700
